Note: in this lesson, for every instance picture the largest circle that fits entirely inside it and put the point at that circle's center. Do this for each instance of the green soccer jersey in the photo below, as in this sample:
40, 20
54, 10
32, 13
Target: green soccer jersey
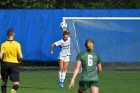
89, 61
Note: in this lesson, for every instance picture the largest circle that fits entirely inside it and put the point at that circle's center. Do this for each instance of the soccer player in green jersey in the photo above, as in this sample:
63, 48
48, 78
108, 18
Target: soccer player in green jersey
91, 66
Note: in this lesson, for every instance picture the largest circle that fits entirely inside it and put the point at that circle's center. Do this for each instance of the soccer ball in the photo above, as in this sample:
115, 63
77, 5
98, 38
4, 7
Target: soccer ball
63, 25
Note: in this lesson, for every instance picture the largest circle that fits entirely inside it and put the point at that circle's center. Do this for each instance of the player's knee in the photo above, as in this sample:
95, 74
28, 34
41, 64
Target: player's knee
15, 87
61, 69
3, 86
4, 83
81, 91
64, 69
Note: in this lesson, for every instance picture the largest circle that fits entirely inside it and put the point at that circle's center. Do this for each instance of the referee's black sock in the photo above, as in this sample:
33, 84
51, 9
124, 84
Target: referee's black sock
3, 89
15, 87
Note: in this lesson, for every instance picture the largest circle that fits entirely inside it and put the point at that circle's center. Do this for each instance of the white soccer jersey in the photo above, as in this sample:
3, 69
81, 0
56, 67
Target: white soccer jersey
65, 47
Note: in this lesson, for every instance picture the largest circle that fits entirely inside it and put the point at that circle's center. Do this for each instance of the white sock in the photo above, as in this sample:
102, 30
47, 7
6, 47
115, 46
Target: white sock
63, 76
60, 76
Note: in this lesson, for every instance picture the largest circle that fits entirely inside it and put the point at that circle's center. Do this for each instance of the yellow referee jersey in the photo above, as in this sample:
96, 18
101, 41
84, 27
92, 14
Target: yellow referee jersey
10, 49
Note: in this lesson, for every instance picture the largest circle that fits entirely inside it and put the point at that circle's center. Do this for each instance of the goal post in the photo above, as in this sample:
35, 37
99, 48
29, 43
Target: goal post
116, 38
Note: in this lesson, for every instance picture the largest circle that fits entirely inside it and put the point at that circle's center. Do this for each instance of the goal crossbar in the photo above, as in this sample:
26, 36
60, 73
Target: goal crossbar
100, 18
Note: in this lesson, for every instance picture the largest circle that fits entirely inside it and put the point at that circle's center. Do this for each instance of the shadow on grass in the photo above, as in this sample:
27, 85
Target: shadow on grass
34, 87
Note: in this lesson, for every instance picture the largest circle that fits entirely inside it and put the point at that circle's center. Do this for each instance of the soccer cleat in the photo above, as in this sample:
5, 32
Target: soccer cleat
61, 84
13, 91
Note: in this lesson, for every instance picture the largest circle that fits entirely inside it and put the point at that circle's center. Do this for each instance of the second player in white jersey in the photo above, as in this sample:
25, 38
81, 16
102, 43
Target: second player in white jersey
65, 47
64, 54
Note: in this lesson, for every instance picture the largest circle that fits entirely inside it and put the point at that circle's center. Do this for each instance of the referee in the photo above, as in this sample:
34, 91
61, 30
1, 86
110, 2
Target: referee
11, 54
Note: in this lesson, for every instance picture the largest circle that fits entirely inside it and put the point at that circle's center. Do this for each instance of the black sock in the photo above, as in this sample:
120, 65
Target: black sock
3, 89
15, 87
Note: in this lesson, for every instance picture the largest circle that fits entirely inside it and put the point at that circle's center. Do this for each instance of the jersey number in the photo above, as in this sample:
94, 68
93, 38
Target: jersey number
90, 60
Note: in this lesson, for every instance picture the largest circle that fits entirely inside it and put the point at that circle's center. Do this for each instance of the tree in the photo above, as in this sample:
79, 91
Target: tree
94, 4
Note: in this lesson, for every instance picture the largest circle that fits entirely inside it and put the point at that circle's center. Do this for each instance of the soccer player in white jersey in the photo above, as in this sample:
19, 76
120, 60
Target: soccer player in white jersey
64, 54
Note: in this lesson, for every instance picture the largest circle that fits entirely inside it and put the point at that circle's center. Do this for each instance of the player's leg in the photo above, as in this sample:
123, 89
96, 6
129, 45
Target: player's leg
14, 77
94, 89
15, 87
83, 86
4, 74
60, 72
94, 86
81, 91
65, 66
4, 85
0, 77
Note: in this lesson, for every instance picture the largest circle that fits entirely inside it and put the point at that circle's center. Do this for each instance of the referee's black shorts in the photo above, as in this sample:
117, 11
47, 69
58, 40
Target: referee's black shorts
10, 70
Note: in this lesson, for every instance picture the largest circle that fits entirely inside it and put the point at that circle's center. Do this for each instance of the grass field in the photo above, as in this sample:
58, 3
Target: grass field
110, 82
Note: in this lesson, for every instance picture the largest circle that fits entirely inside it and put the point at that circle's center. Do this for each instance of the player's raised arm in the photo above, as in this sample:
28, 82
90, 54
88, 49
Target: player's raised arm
57, 43
77, 68
51, 48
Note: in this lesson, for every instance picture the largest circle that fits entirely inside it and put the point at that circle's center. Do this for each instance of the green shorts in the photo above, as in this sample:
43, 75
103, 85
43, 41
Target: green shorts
84, 85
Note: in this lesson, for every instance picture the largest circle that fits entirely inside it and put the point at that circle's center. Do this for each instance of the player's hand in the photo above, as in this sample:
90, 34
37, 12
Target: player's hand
51, 52
19, 60
0, 77
72, 83
0, 59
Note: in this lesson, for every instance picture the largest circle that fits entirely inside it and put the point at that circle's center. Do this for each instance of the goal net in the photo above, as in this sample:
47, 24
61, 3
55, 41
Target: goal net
117, 39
